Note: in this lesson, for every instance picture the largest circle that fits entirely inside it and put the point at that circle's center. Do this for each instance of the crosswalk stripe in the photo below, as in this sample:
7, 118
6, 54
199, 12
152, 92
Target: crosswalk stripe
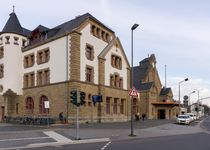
57, 137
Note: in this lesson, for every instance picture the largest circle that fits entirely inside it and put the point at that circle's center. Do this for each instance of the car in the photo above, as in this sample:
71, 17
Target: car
184, 119
192, 116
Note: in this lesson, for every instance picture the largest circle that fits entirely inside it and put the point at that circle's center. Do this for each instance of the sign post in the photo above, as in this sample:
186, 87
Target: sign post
132, 93
47, 106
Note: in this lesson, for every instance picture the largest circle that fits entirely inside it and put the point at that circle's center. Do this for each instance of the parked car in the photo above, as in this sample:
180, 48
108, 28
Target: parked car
191, 116
184, 119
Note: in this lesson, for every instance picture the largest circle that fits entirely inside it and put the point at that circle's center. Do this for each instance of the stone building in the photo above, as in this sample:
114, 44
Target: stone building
155, 101
46, 64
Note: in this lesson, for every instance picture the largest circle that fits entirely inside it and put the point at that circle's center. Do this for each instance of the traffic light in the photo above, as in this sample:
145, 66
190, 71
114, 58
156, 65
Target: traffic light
74, 97
82, 98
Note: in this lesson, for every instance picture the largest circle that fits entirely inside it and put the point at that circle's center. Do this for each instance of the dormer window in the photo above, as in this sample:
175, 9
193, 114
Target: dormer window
16, 40
23, 43
100, 33
7, 39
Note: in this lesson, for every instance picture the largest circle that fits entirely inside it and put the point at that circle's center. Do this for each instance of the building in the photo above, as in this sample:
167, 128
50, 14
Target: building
155, 101
46, 64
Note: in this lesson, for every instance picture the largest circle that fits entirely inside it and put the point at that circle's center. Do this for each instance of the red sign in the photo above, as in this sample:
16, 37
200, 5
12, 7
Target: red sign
133, 92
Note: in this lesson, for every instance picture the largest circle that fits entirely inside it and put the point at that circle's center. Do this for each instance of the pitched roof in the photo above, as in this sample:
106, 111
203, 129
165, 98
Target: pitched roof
13, 26
143, 86
71, 25
164, 91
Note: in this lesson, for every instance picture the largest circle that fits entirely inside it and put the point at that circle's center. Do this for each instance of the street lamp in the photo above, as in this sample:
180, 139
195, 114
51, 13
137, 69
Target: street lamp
190, 94
132, 29
198, 105
189, 107
186, 79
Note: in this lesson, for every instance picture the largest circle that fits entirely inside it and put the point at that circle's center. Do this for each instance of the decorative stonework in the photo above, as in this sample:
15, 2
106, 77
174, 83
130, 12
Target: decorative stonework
75, 56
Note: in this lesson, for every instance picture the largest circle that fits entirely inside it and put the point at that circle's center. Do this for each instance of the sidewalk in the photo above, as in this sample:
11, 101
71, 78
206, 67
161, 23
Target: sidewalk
117, 131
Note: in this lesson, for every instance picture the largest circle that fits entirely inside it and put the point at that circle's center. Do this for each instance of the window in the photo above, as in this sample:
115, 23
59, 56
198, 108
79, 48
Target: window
122, 106
28, 60
89, 52
100, 33
16, 108
108, 105
23, 43
89, 74
1, 52
116, 62
16, 40
43, 56
26, 84
115, 106
89, 100
39, 78
29, 104
46, 76
7, 39
32, 79
121, 83
116, 81
43, 77
111, 80
1, 40
29, 80
1, 70
42, 109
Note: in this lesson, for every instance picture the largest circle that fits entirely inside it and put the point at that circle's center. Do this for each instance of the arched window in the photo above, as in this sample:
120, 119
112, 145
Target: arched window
29, 103
42, 109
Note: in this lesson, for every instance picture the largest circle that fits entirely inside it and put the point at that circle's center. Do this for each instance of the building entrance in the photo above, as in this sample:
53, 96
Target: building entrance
2, 113
161, 114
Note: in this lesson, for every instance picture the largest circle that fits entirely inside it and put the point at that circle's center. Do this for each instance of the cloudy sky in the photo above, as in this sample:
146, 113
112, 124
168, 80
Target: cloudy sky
176, 31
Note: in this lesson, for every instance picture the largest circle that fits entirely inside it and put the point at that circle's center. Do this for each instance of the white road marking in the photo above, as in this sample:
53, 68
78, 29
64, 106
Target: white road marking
105, 146
57, 137
19, 139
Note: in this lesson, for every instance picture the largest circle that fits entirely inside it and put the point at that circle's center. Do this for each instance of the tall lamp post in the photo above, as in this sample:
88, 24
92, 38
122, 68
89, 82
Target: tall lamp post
132, 29
198, 107
186, 79
189, 101
190, 94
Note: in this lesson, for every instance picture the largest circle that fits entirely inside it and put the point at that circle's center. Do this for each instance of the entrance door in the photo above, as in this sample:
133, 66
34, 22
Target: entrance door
161, 114
2, 113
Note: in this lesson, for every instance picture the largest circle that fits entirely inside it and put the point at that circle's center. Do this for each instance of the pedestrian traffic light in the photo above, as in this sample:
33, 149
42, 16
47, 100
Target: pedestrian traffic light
82, 98
74, 97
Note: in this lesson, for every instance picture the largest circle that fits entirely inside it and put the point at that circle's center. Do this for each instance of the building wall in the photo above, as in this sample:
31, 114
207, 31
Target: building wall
111, 70
59, 56
98, 46
12, 61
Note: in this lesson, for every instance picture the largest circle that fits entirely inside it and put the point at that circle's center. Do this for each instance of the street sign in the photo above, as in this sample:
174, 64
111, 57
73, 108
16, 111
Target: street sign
133, 92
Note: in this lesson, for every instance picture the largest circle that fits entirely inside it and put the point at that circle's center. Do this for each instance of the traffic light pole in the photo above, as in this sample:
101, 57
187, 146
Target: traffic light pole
77, 129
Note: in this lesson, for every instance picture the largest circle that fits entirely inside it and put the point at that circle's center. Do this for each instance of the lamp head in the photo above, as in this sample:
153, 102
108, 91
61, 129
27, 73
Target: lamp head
186, 79
134, 26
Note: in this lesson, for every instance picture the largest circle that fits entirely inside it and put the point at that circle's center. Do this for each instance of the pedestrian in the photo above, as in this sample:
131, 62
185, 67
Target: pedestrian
143, 116
61, 117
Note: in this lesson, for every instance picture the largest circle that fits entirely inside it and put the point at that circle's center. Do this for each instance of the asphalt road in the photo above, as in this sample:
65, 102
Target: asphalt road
19, 137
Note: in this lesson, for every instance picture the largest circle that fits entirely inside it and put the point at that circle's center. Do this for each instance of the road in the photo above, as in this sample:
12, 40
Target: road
165, 135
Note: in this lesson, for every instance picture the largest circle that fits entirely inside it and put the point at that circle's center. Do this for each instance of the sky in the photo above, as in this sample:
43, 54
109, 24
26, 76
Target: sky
176, 31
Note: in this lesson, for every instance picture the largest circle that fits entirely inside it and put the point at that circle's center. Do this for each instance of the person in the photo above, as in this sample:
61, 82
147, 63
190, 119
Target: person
143, 116
61, 117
